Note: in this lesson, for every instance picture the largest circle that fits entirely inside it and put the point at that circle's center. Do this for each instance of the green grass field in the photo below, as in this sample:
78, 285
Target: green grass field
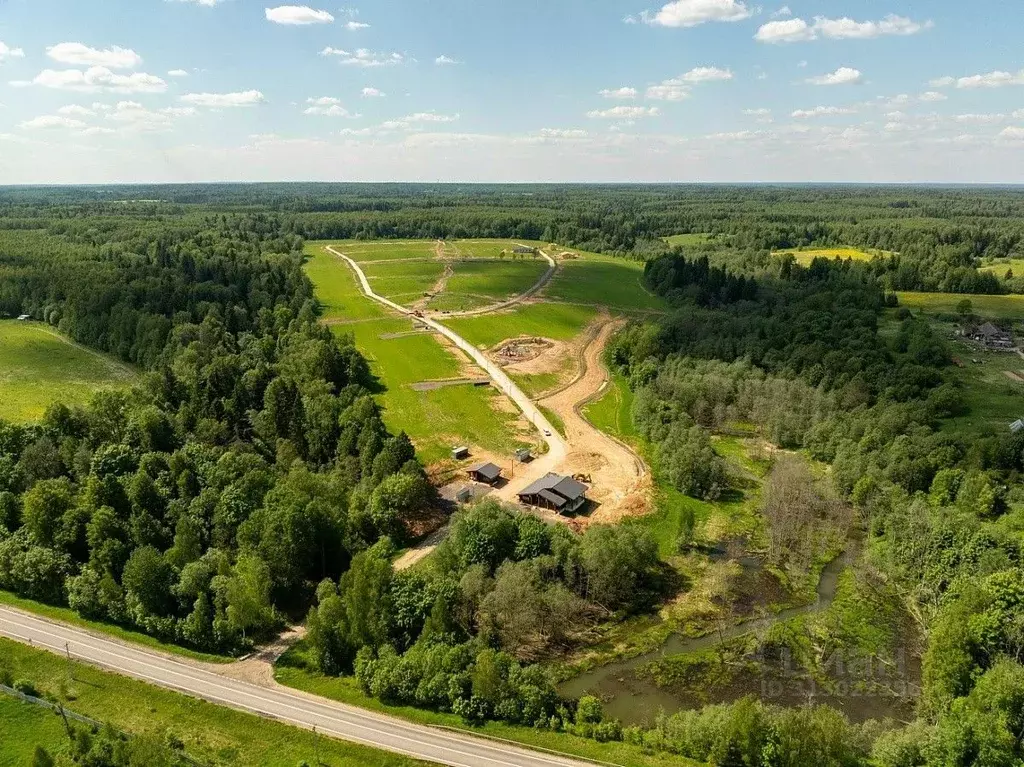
560, 322
613, 413
689, 240
805, 256
1010, 307
39, 366
499, 281
34, 726
406, 279
603, 281
211, 734
337, 289
999, 267
491, 248
386, 250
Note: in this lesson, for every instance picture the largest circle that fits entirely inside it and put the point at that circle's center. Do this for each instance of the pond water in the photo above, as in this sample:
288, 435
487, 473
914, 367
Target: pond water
636, 699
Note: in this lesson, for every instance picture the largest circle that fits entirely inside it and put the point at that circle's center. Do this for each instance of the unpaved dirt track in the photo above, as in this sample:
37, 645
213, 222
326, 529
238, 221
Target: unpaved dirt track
210, 682
620, 479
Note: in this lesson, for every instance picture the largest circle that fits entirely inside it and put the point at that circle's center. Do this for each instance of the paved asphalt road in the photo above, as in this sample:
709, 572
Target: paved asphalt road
557, 449
282, 704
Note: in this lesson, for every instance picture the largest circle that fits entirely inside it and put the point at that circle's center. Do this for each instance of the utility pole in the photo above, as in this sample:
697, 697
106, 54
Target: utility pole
67, 654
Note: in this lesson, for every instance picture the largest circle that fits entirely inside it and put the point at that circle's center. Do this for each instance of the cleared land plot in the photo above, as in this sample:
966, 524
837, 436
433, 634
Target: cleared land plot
1001, 266
603, 281
694, 238
38, 367
434, 420
499, 281
806, 256
387, 250
409, 278
559, 322
1009, 307
337, 289
488, 248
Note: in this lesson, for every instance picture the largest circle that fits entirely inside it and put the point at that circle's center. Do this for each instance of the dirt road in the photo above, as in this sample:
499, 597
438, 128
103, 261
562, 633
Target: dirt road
620, 483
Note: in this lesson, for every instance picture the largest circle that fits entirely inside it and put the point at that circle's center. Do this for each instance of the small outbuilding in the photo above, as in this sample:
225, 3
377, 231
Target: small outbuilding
523, 455
555, 492
458, 453
24, 317
488, 473
1017, 425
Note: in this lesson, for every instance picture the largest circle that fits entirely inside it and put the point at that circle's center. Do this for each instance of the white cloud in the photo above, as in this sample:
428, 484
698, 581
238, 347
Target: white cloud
373, 93
177, 73
81, 55
363, 57
443, 60
353, 26
690, 13
47, 122
7, 53
995, 79
931, 96
134, 116
802, 114
327, 106
1012, 133
76, 111
798, 30
942, 82
410, 122
706, 75
224, 100
95, 79
789, 31
783, 11
980, 119
624, 113
563, 133
1018, 115
297, 15
761, 115
842, 76
624, 92
668, 90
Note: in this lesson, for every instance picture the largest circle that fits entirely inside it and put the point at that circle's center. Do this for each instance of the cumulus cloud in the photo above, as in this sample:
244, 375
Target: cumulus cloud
443, 60
782, 12
798, 30
690, 13
48, 122
132, 115
373, 93
668, 90
297, 15
995, 79
1012, 133
81, 55
762, 115
356, 25
76, 110
803, 114
842, 76
224, 100
7, 52
327, 106
95, 79
562, 133
624, 92
706, 75
980, 119
363, 57
177, 73
931, 96
624, 113
413, 121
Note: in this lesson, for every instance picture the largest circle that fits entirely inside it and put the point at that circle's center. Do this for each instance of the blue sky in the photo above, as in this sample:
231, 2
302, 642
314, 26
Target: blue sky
488, 90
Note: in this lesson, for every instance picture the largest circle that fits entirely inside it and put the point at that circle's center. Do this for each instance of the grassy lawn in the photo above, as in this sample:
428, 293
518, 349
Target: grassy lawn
554, 418
1000, 266
293, 670
384, 250
805, 256
34, 725
1009, 307
613, 413
410, 279
67, 615
490, 248
692, 239
535, 383
499, 280
39, 366
602, 281
560, 322
337, 289
210, 733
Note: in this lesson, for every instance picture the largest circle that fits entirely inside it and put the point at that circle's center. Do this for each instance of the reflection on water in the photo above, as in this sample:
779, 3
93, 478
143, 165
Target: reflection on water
637, 699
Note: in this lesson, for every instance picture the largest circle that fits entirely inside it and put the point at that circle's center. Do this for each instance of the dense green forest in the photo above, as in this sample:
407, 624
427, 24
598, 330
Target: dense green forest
250, 480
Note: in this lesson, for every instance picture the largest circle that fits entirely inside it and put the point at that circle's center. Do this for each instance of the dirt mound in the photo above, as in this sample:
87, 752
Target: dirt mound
523, 349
